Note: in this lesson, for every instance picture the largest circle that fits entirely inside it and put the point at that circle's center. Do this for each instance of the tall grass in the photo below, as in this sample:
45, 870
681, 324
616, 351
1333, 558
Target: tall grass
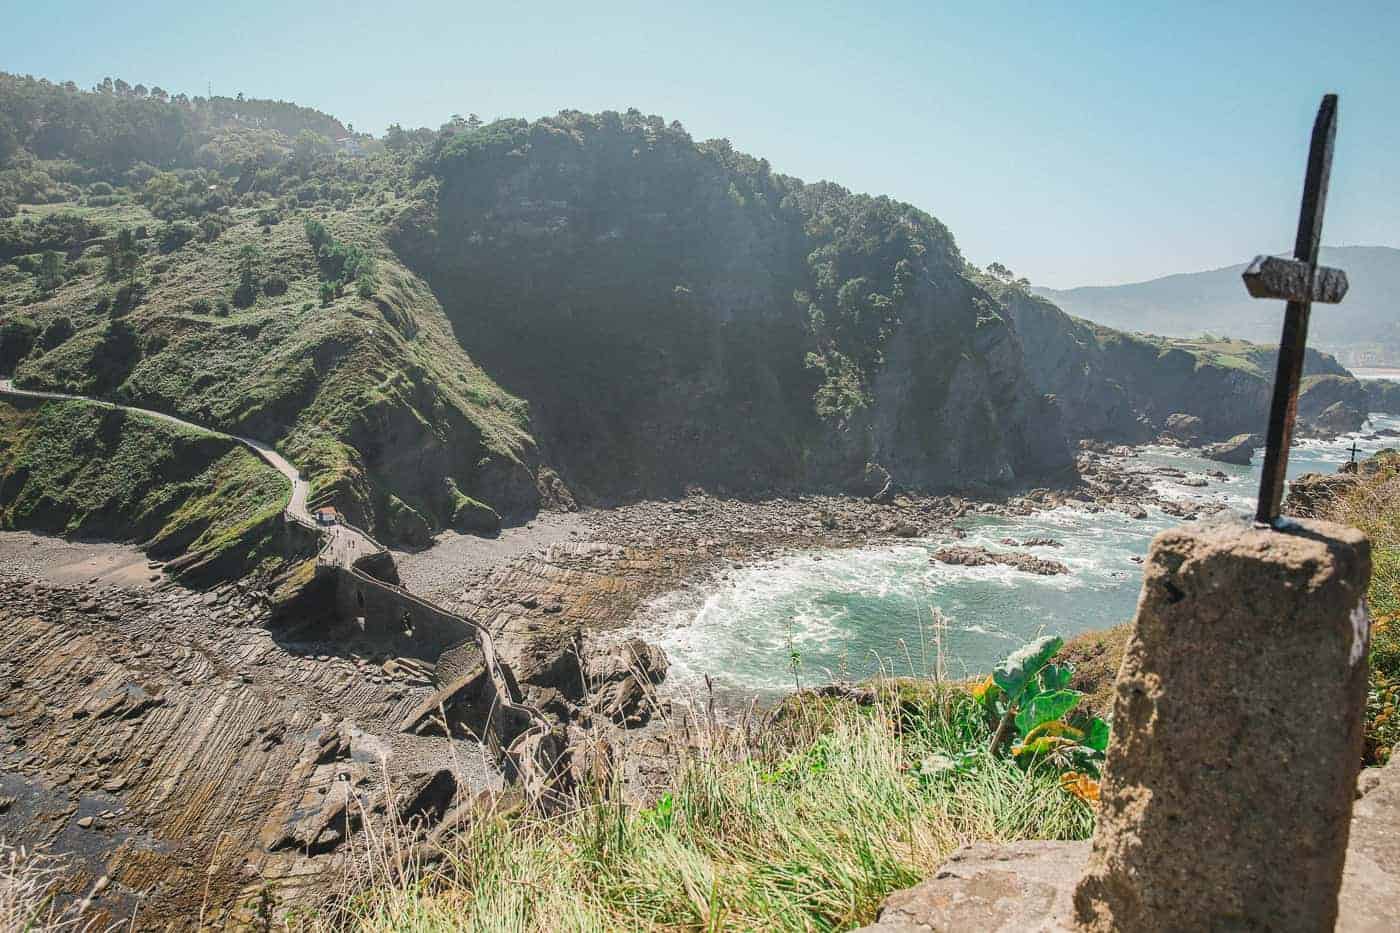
28, 880
806, 827
1373, 505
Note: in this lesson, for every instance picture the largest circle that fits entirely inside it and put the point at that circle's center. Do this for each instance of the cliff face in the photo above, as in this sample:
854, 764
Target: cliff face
676, 314
1112, 385
1383, 395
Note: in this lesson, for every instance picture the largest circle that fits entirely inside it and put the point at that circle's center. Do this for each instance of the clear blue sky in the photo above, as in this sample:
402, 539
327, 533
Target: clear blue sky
1077, 143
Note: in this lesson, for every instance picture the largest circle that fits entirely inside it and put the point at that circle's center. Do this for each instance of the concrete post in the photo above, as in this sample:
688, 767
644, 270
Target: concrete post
1227, 794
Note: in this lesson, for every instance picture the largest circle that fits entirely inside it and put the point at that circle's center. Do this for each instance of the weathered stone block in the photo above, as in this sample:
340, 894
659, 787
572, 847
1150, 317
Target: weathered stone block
1237, 733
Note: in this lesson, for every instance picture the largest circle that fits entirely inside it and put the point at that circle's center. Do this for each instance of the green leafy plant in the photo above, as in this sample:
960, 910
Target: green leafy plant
662, 815
1030, 698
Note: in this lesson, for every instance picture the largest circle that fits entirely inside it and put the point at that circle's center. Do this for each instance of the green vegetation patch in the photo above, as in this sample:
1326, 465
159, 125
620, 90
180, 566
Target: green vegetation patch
78, 469
809, 828
1373, 505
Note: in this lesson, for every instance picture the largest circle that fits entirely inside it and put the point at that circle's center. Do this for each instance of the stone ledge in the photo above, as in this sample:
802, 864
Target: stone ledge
1021, 886
1029, 886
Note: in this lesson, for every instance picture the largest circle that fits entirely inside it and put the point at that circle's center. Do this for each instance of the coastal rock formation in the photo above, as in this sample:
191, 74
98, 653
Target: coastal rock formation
981, 557
1182, 427
1382, 395
1116, 386
681, 309
1238, 449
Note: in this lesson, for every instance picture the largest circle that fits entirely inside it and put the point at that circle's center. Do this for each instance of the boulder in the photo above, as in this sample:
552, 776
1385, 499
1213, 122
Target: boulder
1337, 418
624, 701
991, 888
633, 657
475, 517
1310, 494
1238, 449
620, 677
1183, 427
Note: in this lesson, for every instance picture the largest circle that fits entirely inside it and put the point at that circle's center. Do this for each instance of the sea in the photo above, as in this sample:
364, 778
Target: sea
813, 617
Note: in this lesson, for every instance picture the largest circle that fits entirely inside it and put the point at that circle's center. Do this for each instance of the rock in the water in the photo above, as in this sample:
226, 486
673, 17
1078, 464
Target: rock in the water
981, 557
1338, 418
1238, 449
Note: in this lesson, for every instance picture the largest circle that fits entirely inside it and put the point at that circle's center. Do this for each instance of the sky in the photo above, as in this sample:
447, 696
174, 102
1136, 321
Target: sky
1077, 143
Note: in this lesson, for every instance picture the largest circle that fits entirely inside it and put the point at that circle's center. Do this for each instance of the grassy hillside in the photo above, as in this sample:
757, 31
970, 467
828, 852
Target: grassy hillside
74, 468
473, 322
365, 388
833, 808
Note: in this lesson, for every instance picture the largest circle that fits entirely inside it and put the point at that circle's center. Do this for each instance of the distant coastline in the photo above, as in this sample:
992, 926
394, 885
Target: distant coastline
1377, 372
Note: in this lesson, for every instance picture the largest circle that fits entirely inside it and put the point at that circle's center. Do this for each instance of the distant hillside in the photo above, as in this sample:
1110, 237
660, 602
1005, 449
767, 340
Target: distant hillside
1215, 302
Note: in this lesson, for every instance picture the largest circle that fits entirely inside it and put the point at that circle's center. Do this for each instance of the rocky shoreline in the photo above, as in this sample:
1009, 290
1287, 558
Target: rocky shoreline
135, 702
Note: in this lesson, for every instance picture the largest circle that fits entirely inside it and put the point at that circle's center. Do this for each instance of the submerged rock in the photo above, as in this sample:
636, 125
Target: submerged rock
981, 557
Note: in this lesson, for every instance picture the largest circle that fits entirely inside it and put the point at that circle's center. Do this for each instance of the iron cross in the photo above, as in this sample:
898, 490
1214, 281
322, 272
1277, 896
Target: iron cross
1354, 451
1300, 282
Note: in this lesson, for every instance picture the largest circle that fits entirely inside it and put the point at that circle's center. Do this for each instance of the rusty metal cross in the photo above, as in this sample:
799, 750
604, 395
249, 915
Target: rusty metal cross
1300, 282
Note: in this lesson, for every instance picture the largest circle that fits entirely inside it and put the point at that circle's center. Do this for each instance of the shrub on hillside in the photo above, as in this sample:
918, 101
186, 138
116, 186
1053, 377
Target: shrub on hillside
201, 306
175, 235
211, 227
57, 331
17, 337
127, 297
275, 285
244, 295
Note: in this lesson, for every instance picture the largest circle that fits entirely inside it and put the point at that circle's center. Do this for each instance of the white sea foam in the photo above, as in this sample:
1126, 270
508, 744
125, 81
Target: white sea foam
847, 613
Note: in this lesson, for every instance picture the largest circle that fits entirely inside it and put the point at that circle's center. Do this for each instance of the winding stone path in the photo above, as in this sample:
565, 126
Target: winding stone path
345, 543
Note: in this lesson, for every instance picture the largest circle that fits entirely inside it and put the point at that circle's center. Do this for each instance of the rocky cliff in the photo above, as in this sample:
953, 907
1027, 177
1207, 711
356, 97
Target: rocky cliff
1383, 395
1112, 385
677, 314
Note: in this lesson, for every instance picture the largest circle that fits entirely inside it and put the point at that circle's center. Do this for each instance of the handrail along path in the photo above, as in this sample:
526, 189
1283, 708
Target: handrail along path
343, 545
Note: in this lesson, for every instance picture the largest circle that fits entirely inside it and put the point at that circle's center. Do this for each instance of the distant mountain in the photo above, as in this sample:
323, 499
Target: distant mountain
1363, 329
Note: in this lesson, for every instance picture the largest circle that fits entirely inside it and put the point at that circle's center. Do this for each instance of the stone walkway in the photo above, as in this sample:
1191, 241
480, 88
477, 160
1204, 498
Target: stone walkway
345, 543
1029, 886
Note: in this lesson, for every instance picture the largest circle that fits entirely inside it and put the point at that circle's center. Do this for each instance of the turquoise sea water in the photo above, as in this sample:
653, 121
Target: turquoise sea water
847, 613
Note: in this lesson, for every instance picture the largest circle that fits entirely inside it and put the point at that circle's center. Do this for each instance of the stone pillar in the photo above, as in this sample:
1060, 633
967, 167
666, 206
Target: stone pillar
1227, 794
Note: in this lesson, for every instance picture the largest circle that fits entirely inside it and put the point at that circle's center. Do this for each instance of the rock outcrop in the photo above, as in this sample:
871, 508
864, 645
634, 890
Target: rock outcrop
1238, 449
1382, 395
1183, 427
981, 557
1116, 386
680, 309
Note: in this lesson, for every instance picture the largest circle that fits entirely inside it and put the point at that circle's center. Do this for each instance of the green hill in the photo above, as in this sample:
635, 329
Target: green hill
444, 328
